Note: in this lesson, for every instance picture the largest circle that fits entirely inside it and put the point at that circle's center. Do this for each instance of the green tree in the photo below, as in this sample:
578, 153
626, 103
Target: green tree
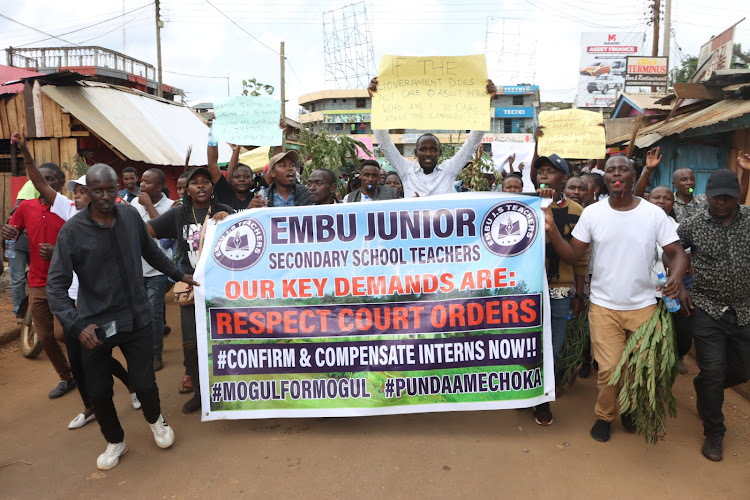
323, 150
254, 88
473, 173
738, 62
687, 68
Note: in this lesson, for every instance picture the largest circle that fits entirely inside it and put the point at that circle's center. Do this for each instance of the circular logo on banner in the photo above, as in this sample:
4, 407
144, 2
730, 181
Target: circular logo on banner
509, 228
240, 246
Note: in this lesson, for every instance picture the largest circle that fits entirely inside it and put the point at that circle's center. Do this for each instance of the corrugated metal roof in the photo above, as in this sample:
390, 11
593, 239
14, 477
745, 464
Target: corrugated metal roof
647, 100
721, 111
141, 127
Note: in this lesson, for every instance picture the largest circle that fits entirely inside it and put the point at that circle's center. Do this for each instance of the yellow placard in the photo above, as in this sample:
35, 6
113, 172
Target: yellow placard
432, 93
256, 159
572, 133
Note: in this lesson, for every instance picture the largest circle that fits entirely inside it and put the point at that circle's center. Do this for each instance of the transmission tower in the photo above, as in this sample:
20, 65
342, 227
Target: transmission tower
347, 47
511, 56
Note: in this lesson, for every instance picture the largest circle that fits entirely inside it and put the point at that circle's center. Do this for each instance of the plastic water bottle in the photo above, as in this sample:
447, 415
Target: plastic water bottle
211, 141
10, 249
673, 305
262, 194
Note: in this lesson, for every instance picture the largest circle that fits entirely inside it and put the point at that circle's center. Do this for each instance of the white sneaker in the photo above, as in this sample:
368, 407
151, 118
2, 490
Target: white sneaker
111, 455
134, 401
163, 433
80, 421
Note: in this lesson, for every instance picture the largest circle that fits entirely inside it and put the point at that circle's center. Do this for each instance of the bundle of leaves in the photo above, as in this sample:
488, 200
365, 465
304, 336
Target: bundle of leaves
576, 339
648, 369
337, 153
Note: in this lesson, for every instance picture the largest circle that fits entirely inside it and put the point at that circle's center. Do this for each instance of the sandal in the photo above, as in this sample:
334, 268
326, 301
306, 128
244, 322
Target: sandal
187, 385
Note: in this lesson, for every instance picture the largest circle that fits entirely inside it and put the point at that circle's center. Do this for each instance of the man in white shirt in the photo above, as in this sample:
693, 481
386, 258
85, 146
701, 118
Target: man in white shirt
623, 231
426, 176
151, 203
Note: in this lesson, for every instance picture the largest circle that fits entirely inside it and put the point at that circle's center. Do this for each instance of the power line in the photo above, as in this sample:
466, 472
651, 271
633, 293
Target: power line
87, 27
240, 27
119, 26
37, 30
193, 76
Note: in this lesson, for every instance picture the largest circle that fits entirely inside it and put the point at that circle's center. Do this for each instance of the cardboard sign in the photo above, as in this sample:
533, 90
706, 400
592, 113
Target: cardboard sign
249, 121
572, 133
432, 93
256, 159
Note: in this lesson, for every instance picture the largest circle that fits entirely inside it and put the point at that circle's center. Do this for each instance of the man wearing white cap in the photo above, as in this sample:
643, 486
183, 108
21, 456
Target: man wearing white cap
284, 190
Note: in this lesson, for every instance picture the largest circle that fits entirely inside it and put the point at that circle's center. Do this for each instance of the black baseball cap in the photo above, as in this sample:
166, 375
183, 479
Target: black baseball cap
198, 170
723, 181
555, 161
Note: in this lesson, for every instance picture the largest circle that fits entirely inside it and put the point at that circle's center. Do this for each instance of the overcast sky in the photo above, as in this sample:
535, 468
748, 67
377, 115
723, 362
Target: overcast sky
526, 41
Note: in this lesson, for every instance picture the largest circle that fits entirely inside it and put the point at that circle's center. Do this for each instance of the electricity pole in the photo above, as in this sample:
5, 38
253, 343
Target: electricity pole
159, 26
655, 46
657, 12
283, 96
667, 26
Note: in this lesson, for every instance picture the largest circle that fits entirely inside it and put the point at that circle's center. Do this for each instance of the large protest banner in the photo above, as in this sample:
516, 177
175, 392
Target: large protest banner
432, 93
572, 133
249, 121
400, 306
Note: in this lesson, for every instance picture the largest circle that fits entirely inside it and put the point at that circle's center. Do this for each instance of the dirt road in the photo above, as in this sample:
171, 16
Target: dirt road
488, 454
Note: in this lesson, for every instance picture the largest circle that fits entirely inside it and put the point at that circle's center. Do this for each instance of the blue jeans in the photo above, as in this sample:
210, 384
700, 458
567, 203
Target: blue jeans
17, 266
559, 309
156, 289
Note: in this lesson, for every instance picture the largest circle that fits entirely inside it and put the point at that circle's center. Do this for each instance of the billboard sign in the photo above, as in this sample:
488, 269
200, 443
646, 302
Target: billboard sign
603, 66
719, 51
346, 116
643, 71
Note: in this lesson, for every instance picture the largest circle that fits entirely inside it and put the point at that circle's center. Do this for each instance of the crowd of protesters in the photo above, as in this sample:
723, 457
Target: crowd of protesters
100, 267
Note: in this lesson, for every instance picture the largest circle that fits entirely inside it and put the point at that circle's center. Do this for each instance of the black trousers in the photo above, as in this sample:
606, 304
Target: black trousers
74, 347
190, 345
683, 332
138, 348
723, 353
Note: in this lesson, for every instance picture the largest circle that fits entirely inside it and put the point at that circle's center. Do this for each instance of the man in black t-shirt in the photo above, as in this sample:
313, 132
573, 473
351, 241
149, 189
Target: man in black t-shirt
237, 194
186, 224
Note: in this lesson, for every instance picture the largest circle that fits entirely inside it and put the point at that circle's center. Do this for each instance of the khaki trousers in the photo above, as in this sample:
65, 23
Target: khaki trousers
610, 330
49, 330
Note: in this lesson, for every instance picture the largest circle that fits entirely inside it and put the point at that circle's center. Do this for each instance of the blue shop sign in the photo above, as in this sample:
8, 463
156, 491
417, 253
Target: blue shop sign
515, 112
518, 89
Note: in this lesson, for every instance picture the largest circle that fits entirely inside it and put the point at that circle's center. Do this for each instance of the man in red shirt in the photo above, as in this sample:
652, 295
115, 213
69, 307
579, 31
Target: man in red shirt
42, 220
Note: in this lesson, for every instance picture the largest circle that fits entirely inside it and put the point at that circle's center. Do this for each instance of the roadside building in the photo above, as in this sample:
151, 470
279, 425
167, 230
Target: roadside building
701, 126
514, 111
75, 122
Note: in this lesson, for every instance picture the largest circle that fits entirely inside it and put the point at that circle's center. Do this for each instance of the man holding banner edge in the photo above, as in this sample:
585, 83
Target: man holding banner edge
427, 176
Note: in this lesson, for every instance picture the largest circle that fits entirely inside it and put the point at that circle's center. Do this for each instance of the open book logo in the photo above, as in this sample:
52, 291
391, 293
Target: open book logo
238, 243
241, 245
510, 228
